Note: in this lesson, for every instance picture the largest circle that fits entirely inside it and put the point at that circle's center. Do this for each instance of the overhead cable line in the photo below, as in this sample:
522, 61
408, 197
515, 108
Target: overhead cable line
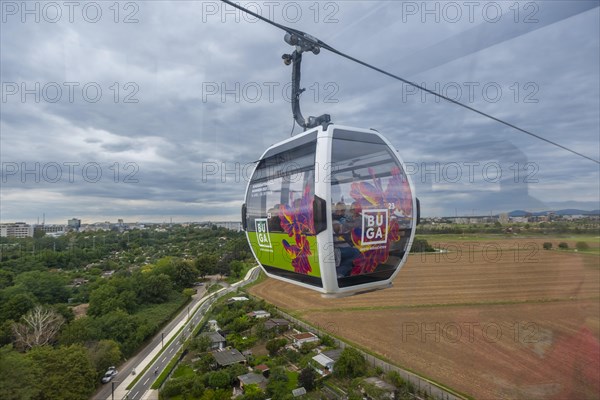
319, 44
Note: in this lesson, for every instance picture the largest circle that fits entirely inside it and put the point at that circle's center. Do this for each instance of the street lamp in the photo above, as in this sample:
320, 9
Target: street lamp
113, 389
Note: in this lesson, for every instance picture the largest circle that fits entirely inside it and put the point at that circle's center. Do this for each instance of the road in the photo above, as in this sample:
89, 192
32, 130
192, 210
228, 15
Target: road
189, 318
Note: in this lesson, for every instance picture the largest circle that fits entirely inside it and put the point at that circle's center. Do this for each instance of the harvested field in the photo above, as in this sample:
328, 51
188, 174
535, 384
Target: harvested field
497, 319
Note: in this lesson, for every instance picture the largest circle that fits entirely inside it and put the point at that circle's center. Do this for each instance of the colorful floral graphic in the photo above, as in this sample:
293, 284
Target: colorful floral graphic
397, 199
298, 222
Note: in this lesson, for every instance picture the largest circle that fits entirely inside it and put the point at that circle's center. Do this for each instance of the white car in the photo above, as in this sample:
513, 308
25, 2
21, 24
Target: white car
110, 373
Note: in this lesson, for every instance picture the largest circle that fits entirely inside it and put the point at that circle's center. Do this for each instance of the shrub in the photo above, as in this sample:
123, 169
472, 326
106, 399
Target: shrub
547, 245
582, 246
563, 245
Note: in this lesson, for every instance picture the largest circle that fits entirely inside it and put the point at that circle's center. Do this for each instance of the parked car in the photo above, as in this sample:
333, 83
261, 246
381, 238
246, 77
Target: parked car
110, 373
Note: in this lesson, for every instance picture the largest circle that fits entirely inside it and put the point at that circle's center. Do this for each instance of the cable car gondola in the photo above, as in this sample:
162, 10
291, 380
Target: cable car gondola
331, 209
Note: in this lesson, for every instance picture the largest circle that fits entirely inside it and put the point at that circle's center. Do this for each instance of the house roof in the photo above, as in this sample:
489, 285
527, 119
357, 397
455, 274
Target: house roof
298, 391
304, 335
323, 360
251, 378
214, 337
262, 367
275, 322
228, 357
333, 354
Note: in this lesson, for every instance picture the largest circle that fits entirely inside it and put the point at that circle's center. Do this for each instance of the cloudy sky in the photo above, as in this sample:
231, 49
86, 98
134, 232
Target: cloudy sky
149, 111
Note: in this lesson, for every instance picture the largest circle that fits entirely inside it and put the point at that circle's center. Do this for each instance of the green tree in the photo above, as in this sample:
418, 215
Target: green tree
104, 300
328, 341
351, 364
206, 264
274, 345
563, 245
80, 331
19, 376
253, 392
218, 379
68, 373
547, 245
13, 306
200, 343
47, 287
582, 246
278, 381
6, 279
236, 268
118, 326
154, 288
307, 378
185, 274
104, 354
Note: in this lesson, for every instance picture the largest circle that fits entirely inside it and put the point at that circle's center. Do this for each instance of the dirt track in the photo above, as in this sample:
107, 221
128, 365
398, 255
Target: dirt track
501, 319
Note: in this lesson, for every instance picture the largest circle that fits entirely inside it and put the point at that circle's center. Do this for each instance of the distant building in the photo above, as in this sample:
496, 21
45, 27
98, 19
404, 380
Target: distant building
18, 230
74, 224
476, 219
54, 230
231, 225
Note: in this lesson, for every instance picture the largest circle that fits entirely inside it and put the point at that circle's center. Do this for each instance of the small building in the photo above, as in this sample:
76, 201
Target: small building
217, 342
264, 370
236, 299
334, 354
278, 324
259, 314
299, 392
213, 325
323, 364
252, 379
228, 357
305, 337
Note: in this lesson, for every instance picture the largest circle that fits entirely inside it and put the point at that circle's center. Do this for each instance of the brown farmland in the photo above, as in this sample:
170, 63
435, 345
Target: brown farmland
491, 319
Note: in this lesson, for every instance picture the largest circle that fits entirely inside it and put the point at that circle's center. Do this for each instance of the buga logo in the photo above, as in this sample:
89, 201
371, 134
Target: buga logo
374, 227
262, 232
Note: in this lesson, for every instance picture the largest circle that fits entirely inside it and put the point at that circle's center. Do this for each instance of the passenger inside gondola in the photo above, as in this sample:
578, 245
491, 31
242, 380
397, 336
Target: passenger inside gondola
344, 250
